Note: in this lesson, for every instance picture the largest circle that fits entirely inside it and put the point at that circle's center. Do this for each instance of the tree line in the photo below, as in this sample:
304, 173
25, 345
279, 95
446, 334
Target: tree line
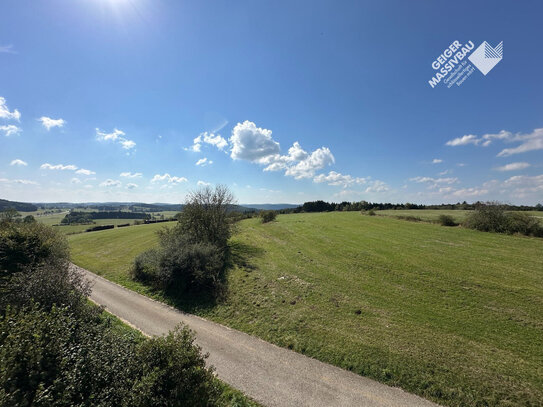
322, 206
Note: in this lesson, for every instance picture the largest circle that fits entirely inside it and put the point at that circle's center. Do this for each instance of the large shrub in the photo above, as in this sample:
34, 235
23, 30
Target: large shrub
30, 245
172, 372
492, 217
53, 359
446, 220
268, 216
191, 256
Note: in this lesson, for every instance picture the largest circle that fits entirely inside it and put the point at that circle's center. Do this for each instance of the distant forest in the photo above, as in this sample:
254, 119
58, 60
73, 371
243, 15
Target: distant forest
18, 206
322, 206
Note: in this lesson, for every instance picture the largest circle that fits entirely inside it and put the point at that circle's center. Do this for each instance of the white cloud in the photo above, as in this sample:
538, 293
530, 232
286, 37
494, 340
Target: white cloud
131, 185
420, 180
445, 172
252, 143
528, 142
10, 130
462, 141
469, 192
337, 179
18, 181
523, 184
18, 162
117, 136
110, 183
49, 123
215, 139
203, 162
75, 180
131, 175
83, 171
170, 179
377, 186
317, 160
513, 167
203, 184
62, 167
208, 138
437, 161
5, 113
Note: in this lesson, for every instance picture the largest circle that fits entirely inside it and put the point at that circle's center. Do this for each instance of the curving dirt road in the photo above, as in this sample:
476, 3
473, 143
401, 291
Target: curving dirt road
271, 375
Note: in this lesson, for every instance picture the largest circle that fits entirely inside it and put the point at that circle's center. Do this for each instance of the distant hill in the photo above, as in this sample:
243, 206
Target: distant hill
270, 206
18, 206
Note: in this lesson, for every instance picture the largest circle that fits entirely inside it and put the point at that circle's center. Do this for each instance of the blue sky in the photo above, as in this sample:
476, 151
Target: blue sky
122, 100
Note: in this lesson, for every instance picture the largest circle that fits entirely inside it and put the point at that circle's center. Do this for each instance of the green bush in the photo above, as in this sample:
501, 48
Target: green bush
267, 216
446, 220
492, 217
182, 264
30, 245
204, 218
371, 212
51, 358
173, 373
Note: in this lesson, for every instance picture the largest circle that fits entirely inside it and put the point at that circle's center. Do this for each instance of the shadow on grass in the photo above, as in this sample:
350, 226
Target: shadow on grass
239, 255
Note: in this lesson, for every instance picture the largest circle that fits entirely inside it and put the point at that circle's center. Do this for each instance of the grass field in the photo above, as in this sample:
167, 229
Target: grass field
433, 214
454, 315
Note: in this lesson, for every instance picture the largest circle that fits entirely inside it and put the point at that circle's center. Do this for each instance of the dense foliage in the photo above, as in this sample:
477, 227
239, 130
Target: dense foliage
18, 206
267, 216
493, 217
322, 206
75, 217
56, 349
192, 255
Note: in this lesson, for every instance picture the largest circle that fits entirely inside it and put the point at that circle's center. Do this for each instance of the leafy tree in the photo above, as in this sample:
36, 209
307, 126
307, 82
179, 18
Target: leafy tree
204, 218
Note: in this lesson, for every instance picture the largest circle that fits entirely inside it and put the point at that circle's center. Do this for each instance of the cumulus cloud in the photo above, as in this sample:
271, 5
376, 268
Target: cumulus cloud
317, 160
83, 171
437, 161
61, 167
203, 184
203, 162
513, 167
117, 136
131, 185
18, 162
208, 138
252, 143
131, 175
75, 180
168, 178
110, 183
523, 185
337, 179
5, 113
10, 130
49, 123
469, 192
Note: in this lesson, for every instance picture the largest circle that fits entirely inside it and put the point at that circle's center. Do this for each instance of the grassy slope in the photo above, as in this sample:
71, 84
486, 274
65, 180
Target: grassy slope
448, 313
433, 214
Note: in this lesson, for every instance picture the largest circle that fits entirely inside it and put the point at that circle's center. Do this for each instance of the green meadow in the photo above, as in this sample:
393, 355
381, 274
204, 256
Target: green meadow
451, 314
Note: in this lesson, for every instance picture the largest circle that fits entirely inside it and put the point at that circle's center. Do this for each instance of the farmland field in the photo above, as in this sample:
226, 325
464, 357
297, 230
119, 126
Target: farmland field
433, 214
448, 313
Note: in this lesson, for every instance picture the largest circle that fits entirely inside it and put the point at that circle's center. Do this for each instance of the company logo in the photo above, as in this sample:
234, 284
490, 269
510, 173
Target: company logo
453, 68
485, 57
